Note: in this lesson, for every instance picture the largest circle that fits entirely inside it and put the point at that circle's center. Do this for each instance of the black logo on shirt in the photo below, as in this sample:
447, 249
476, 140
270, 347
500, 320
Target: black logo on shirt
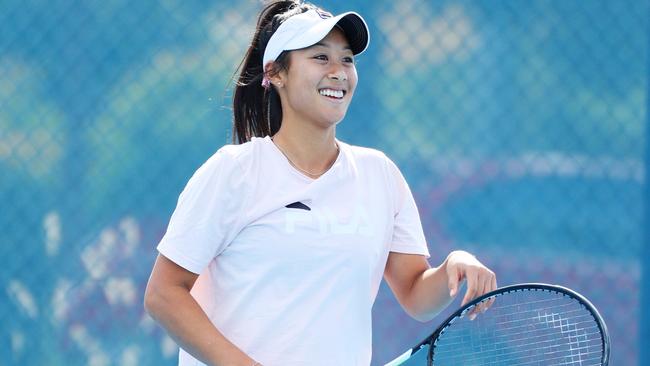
298, 205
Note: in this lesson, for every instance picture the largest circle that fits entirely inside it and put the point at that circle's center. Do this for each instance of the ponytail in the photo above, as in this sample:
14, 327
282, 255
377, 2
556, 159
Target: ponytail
257, 111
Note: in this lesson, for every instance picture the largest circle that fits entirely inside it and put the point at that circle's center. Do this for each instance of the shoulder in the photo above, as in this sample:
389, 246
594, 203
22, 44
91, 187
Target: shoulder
370, 157
230, 164
235, 156
239, 151
365, 155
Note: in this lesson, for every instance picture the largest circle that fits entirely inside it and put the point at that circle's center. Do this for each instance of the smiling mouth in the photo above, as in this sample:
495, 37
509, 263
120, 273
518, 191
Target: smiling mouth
336, 94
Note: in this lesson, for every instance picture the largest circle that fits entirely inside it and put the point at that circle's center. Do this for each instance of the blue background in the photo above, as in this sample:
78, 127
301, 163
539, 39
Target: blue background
521, 128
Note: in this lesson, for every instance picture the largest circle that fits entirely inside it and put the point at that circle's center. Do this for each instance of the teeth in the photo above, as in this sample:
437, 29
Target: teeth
331, 93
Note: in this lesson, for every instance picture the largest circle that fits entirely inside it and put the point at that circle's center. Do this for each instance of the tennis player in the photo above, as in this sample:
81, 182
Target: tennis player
278, 244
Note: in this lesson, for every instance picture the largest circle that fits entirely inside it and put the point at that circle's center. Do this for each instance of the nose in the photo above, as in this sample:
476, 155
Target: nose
339, 76
337, 73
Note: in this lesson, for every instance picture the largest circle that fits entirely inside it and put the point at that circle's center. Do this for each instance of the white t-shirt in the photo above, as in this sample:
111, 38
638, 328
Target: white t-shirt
290, 266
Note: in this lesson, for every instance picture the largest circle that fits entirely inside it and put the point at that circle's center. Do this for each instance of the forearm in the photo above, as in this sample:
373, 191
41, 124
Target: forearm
429, 293
177, 311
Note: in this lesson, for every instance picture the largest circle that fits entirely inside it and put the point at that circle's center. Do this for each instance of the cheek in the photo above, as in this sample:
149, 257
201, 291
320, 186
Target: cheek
301, 86
298, 97
353, 79
300, 92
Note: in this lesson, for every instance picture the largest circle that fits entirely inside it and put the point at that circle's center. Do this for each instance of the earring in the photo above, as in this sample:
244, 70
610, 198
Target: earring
266, 83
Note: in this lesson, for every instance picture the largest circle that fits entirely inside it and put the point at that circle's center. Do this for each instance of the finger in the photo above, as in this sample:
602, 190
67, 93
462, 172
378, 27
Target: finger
474, 311
453, 282
471, 288
487, 287
480, 290
477, 292
485, 280
493, 286
472, 314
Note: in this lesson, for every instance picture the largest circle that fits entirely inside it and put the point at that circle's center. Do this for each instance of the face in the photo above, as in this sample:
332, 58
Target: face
320, 81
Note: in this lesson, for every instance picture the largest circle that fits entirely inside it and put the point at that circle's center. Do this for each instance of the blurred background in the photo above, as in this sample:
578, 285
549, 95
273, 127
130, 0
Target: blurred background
520, 126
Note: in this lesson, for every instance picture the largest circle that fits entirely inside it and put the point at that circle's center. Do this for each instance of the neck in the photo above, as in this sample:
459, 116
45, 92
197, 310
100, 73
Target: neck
309, 149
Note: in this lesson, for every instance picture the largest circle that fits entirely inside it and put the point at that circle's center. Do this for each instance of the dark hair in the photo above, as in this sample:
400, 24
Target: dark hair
257, 111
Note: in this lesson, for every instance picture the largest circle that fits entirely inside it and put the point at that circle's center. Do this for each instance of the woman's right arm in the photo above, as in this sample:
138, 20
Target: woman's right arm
167, 299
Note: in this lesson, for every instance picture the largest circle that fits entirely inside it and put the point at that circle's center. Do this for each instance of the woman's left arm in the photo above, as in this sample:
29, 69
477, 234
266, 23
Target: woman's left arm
424, 291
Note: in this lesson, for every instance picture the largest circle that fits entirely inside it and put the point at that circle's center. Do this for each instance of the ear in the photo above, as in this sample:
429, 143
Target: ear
278, 79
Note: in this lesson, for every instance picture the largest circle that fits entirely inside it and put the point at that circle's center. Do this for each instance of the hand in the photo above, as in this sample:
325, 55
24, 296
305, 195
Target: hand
480, 279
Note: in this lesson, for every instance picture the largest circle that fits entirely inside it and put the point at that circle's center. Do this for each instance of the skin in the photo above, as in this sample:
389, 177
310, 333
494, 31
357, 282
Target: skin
307, 136
307, 133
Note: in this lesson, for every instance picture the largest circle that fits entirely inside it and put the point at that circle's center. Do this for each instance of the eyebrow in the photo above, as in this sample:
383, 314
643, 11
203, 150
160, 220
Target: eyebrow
325, 44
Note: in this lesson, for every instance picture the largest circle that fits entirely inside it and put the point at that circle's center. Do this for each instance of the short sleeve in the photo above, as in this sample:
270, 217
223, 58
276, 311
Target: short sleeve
408, 236
207, 215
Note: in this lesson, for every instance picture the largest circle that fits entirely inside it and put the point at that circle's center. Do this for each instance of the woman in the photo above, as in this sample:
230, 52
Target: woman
277, 246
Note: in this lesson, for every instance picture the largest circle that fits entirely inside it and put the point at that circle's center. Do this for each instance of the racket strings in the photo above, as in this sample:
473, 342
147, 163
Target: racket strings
583, 346
584, 349
580, 317
509, 326
523, 328
539, 339
583, 323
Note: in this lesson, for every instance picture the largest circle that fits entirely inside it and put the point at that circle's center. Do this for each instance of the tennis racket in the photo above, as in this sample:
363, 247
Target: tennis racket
527, 324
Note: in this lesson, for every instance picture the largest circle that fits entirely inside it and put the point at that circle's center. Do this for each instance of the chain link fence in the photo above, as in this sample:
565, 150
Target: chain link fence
519, 125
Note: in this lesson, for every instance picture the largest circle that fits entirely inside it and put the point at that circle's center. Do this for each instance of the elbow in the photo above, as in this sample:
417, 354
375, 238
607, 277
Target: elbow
422, 317
420, 314
152, 301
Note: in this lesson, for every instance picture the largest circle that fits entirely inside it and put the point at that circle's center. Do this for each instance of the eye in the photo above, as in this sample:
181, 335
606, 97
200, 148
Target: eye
348, 60
321, 57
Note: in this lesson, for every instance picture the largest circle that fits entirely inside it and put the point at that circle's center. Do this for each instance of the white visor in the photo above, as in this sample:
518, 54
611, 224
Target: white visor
305, 29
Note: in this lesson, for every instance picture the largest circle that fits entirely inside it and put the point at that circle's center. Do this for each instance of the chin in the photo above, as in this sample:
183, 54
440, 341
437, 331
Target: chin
328, 118
333, 119
336, 116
